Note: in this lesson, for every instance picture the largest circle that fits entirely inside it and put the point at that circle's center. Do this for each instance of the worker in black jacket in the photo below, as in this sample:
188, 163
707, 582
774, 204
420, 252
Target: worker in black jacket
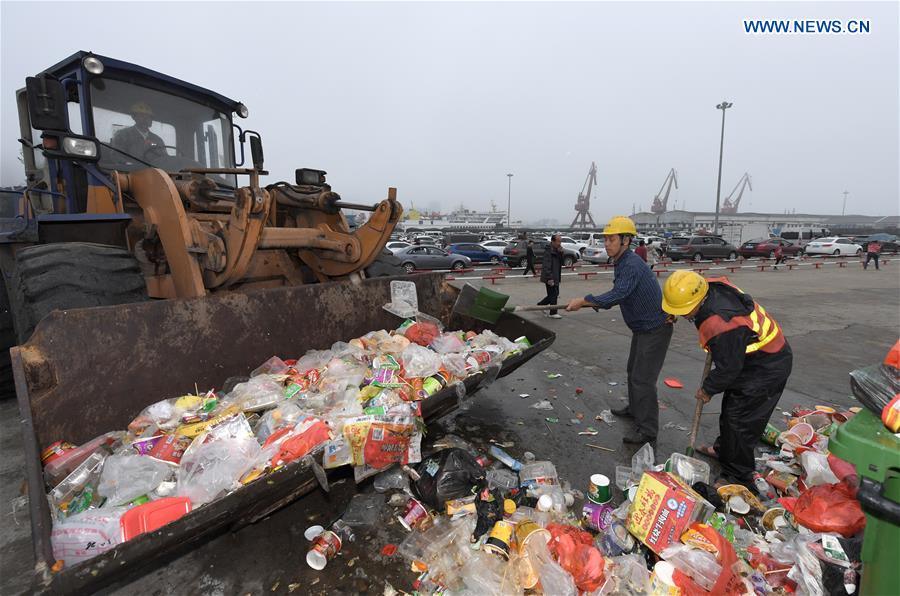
752, 363
551, 273
529, 258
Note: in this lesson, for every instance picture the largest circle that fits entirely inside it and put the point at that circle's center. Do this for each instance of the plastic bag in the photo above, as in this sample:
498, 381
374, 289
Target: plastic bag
574, 550
272, 366
422, 332
446, 343
448, 474
259, 393
627, 575
728, 583
830, 508
875, 386
642, 461
817, 469
297, 441
285, 414
126, 477
87, 534
216, 460
700, 565
379, 441
419, 361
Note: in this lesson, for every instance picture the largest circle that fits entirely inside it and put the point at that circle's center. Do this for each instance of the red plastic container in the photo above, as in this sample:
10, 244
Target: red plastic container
153, 515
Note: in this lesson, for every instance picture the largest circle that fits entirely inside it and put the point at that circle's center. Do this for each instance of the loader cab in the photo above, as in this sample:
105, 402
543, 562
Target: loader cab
193, 127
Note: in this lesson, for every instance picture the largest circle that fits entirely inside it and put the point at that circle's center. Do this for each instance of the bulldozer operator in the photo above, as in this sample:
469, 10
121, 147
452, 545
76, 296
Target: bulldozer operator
137, 140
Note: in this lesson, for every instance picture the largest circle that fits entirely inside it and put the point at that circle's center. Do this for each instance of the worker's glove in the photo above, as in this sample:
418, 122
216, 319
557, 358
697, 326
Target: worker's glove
703, 395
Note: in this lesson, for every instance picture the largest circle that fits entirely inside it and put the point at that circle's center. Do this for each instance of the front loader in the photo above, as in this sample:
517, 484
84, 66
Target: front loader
136, 189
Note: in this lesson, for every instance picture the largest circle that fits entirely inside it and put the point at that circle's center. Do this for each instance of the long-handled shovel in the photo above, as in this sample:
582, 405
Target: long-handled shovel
698, 411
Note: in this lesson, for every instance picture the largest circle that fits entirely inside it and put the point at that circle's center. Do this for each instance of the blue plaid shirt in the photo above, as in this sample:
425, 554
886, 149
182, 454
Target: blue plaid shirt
636, 291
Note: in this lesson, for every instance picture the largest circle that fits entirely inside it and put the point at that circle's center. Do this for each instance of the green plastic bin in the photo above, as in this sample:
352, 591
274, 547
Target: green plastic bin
875, 451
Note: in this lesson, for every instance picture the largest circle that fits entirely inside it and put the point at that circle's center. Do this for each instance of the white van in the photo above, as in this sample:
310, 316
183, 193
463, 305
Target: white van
802, 236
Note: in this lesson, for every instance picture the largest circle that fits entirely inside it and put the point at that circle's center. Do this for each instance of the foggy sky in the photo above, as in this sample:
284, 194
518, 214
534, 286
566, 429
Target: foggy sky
443, 100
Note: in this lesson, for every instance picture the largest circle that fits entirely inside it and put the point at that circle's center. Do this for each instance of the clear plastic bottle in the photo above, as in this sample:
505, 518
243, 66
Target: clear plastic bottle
762, 487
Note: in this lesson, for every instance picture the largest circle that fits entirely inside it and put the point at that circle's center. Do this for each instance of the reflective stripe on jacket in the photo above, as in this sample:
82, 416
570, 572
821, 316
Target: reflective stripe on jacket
768, 333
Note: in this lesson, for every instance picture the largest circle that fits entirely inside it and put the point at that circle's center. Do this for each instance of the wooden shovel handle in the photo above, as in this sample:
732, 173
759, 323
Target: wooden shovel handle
698, 411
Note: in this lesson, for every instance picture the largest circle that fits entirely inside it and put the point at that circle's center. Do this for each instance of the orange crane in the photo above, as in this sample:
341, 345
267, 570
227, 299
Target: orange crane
583, 205
731, 205
661, 200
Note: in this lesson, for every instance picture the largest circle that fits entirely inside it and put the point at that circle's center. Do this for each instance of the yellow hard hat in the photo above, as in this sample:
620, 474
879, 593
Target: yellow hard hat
683, 291
620, 225
142, 107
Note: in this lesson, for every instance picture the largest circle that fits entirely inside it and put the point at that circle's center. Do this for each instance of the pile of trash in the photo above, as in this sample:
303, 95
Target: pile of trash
488, 523
357, 403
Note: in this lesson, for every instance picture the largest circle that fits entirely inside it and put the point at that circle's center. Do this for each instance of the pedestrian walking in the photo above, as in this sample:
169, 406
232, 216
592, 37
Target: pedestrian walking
752, 363
641, 250
639, 297
551, 273
873, 252
529, 259
779, 255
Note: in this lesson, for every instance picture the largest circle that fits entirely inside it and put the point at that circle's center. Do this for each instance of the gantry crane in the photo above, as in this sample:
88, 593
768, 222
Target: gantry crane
661, 200
730, 206
583, 205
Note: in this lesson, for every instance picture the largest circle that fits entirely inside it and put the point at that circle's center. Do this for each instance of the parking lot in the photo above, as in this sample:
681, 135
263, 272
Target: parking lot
836, 319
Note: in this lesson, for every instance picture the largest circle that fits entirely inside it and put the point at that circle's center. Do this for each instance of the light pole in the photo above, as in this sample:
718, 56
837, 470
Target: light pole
509, 201
722, 106
844, 208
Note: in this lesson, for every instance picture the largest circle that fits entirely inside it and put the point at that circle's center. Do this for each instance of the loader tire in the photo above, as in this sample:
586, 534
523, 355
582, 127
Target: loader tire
385, 265
7, 340
69, 275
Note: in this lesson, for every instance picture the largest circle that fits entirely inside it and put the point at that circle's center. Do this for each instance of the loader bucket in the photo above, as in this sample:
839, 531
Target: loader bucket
88, 371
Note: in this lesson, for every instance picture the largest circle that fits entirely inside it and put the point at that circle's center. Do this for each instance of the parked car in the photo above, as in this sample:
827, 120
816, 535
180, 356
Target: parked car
396, 246
835, 245
699, 248
424, 241
514, 254
595, 254
496, 246
476, 252
431, 257
570, 243
656, 243
589, 238
765, 247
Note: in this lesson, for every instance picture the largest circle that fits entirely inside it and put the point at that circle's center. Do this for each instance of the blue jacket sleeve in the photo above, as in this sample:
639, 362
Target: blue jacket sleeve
624, 285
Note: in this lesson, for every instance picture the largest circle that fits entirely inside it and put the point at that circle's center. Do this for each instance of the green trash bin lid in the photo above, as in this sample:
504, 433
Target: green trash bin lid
865, 442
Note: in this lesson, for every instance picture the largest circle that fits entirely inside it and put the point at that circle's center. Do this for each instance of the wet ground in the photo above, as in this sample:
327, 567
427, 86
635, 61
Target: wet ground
836, 320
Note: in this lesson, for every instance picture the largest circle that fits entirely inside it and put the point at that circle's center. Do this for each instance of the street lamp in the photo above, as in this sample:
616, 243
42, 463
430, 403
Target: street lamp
844, 208
508, 201
722, 106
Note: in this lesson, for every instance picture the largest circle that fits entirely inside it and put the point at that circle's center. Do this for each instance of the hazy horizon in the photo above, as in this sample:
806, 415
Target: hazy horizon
442, 100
